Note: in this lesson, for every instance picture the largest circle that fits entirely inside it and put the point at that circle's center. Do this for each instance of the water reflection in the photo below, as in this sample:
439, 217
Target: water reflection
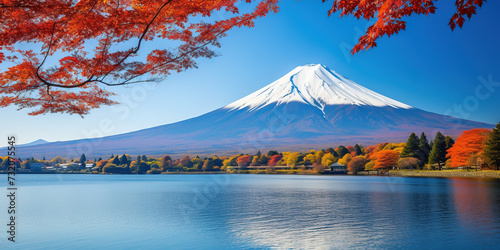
474, 203
254, 211
345, 213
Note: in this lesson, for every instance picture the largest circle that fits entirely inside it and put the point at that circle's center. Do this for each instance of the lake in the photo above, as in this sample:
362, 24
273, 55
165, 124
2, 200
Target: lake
252, 211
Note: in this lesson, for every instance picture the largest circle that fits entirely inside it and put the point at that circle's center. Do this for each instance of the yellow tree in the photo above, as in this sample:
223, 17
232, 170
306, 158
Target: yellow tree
345, 160
292, 159
310, 157
328, 159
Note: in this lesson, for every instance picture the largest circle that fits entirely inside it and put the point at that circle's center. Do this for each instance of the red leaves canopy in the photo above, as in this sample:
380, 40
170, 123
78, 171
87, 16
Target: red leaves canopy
469, 143
390, 12
75, 48
386, 158
274, 159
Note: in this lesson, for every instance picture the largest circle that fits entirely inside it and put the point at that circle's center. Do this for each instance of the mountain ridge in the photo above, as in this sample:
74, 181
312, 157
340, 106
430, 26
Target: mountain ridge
309, 107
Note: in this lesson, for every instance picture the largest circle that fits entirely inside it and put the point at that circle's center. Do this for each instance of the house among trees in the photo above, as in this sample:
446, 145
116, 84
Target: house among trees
337, 168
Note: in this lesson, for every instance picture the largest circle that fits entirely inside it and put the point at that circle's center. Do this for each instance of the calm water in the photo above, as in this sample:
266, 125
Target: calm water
253, 211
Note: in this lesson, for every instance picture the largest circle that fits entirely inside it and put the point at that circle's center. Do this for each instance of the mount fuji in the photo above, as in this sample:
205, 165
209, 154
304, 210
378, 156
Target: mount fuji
310, 107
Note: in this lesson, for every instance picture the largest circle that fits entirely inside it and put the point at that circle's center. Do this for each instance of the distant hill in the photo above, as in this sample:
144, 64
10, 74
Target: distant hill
33, 143
37, 142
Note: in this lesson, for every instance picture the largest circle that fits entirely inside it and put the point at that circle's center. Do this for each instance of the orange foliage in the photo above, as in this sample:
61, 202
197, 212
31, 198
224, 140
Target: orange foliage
101, 163
469, 143
386, 158
243, 160
389, 13
376, 148
370, 149
68, 76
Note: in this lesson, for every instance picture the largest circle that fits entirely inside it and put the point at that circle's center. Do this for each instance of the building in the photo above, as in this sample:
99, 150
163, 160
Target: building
337, 168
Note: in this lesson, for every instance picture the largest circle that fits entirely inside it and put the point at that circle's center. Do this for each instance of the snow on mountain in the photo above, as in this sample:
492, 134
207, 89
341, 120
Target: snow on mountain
316, 85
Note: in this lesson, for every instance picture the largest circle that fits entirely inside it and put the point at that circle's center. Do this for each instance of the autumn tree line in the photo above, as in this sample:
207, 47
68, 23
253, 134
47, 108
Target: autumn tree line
478, 148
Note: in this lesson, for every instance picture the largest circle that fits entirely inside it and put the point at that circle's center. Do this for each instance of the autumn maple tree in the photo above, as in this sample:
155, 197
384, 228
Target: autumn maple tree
468, 144
243, 160
274, 159
389, 13
386, 158
59, 56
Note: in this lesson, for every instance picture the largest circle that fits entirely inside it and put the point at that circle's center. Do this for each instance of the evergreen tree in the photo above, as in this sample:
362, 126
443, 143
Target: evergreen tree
334, 153
143, 168
424, 150
44, 158
449, 142
272, 153
357, 150
263, 159
233, 162
138, 158
217, 161
438, 151
83, 159
341, 151
412, 147
144, 158
112, 156
116, 161
330, 150
100, 159
492, 147
259, 153
124, 160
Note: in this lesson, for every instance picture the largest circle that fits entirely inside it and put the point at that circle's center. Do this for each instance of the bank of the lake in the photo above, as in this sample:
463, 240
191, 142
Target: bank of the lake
402, 173
446, 173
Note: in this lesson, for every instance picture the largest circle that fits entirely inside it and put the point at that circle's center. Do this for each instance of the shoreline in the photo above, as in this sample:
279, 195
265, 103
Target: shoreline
446, 173
399, 173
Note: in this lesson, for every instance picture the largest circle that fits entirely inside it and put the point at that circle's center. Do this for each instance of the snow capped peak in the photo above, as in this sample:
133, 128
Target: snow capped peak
316, 85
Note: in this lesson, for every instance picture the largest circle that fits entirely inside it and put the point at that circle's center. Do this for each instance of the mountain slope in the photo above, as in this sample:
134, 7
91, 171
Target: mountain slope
310, 107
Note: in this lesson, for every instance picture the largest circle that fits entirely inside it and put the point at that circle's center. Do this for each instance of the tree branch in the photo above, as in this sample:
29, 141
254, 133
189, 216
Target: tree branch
90, 79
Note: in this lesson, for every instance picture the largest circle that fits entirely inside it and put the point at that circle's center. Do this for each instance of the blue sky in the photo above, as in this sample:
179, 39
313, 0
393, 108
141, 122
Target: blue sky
427, 66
